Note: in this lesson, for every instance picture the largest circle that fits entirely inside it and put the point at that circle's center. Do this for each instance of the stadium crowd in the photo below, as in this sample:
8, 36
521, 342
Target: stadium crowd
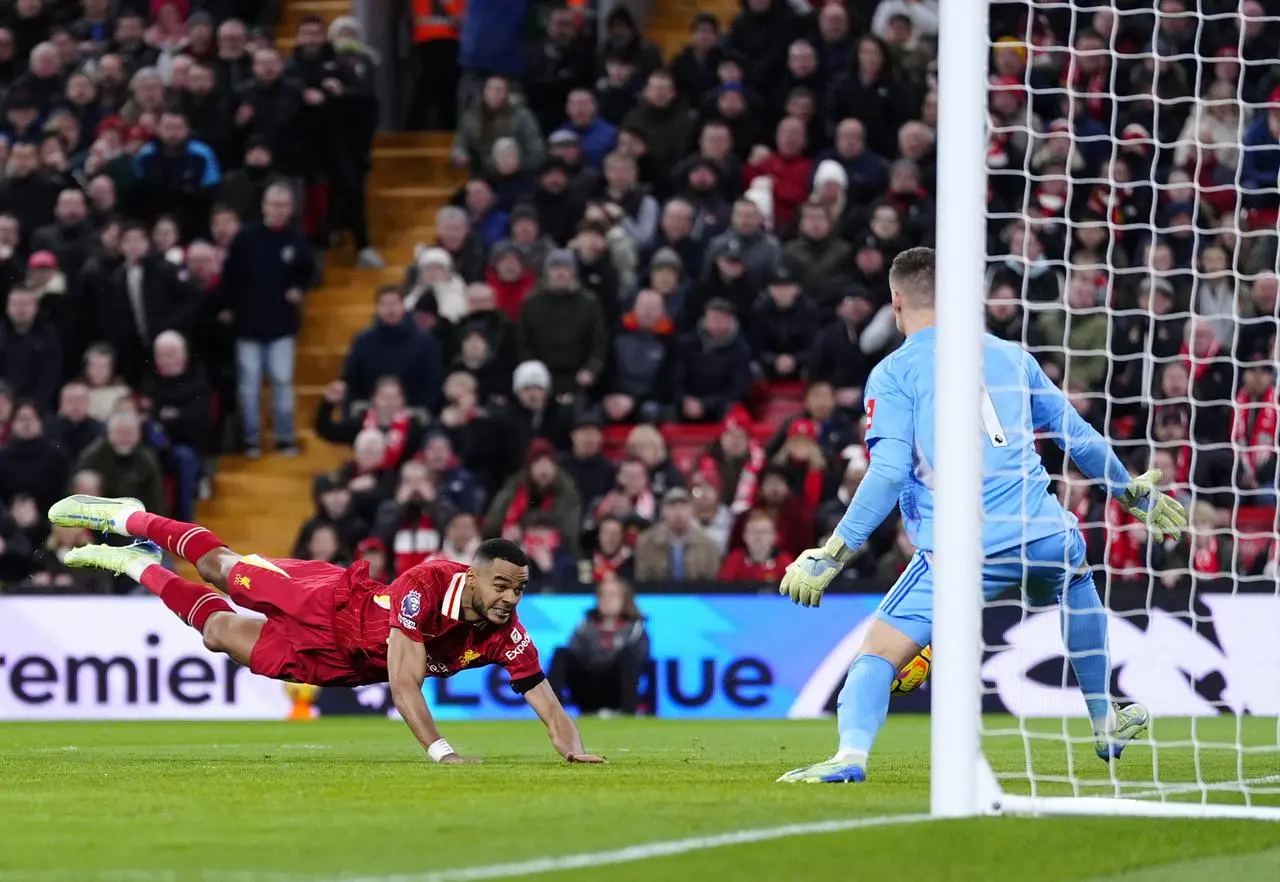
640, 341
163, 206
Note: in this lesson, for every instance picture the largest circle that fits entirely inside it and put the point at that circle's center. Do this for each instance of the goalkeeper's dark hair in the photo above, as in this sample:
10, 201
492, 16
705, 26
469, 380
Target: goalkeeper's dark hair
500, 549
911, 275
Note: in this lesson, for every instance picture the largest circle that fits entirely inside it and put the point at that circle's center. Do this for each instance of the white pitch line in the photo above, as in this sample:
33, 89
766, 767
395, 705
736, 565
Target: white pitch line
512, 869
645, 852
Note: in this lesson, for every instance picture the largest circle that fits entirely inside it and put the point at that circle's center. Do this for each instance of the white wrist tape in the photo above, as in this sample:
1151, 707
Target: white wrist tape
439, 749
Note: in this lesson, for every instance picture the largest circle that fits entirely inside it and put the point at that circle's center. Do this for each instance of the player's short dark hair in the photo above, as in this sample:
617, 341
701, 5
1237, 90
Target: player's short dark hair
384, 290
911, 273
311, 20
501, 549
134, 227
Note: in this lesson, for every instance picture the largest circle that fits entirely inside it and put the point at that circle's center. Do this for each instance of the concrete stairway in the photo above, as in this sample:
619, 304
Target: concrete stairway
259, 505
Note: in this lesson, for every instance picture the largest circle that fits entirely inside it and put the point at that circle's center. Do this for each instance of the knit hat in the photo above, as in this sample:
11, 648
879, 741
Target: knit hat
561, 257
435, 257
666, 258
831, 172
531, 373
538, 449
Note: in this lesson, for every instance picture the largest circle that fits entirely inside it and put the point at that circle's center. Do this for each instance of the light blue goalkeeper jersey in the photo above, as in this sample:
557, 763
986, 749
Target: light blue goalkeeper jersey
1018, 399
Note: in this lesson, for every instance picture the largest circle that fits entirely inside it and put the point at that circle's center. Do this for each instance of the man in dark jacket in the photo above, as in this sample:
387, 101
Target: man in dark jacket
640, 384
714, 370
563, 327
268, 268
30, 462
675, 231
784, 324
624, 40
28, 193
761, 34
586, 463
207, 112
818, 258
176, 175
269, 106
664, 120
30, 353
127, 466
145, 297
694, 69
181, 403
233, 67
836, 356
394, 346
242, 189
562, 62
70, 237
74, 428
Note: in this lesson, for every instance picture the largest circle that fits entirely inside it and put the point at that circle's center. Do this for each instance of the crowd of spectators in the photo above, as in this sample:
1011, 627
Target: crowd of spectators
168, 179
651, 256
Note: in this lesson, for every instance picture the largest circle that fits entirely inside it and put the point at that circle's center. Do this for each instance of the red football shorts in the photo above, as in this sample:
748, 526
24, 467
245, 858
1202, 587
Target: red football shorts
297, 597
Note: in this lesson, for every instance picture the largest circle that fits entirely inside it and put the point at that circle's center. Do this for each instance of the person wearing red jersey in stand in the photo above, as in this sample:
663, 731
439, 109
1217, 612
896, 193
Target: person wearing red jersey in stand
759, 560
330, 626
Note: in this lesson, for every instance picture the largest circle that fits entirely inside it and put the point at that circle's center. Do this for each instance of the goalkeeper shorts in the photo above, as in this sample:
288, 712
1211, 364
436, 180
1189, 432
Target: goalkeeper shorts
1042, 569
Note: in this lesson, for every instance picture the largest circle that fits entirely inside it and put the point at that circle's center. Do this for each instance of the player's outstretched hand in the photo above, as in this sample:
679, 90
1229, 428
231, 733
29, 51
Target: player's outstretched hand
1163, 515
457, 759
589, 758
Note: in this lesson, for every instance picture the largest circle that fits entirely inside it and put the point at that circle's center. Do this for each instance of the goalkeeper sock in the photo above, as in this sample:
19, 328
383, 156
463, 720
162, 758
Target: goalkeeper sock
863, 705
1084, 631
188, 541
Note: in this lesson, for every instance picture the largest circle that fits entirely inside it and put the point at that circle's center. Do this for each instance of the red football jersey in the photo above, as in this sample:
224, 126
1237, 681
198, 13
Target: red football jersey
425, 602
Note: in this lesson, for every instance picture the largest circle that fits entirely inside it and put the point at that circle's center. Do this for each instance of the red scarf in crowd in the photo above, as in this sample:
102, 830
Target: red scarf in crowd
1253, 428
811, 491
1196, 365
395, 435
1108, 201
744, 494
603, 565
1124, 553
1092, 90
415, 541
1205, 561
520, 504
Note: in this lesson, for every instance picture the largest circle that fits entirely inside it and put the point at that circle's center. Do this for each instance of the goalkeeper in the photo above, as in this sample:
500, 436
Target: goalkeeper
1028, 539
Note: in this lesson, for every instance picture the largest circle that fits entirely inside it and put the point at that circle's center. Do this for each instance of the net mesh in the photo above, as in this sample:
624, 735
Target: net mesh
1133, 154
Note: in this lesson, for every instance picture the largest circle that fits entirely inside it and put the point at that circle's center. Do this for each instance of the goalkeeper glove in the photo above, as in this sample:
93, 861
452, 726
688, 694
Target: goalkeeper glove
811, 573
1163, 515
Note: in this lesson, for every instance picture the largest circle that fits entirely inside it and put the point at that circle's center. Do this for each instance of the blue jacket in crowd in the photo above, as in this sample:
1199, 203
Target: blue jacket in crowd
261, 265
403, 351
493, 37
1260, 165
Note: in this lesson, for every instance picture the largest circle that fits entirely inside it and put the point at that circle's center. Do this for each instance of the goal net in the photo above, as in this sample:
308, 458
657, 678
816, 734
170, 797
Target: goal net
1131, 198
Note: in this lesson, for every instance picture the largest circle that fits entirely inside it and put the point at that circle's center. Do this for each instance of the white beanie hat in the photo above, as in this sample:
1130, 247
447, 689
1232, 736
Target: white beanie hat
830, 171
435, 256
531, 373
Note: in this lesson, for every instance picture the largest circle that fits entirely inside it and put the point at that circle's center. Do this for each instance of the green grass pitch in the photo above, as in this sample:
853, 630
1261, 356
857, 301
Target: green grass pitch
356, 799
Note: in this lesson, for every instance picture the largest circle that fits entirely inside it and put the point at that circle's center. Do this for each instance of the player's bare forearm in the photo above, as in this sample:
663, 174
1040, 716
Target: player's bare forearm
564, 735
406, 672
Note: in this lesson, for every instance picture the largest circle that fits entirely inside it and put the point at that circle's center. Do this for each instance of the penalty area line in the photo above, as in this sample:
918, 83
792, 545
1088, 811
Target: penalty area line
643, 852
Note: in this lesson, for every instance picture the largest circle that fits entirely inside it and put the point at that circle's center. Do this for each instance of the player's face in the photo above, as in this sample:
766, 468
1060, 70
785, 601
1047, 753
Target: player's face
496, 589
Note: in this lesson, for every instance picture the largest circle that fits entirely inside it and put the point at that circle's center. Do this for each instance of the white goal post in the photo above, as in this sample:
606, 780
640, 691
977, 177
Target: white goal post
1164, 779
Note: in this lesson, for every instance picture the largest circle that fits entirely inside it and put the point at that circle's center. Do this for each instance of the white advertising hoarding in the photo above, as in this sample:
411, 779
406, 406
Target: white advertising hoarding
121, 658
